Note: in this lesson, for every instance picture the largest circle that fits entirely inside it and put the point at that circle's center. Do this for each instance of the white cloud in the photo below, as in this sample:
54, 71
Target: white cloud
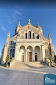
9, 19
7, 16
17, 12
9, 22
3, 28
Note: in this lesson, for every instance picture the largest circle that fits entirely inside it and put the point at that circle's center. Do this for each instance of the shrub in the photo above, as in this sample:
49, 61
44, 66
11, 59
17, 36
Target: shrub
8, 59
51, 60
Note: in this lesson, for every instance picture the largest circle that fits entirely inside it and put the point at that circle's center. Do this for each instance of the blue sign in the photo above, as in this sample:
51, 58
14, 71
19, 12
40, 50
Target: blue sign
49, 79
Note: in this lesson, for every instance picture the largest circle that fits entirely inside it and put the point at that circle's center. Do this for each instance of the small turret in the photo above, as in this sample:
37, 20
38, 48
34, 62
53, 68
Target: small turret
19, 25
50, 40
17, 29
38, 24
8, 36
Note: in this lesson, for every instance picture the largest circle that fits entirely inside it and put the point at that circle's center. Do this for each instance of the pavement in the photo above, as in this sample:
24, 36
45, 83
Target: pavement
24, 76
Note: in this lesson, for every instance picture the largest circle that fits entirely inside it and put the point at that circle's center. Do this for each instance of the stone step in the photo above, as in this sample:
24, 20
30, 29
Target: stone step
18, 64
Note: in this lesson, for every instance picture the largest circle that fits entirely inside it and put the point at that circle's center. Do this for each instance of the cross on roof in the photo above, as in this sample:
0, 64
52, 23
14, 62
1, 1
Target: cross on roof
29, 20
19, 23
38, 23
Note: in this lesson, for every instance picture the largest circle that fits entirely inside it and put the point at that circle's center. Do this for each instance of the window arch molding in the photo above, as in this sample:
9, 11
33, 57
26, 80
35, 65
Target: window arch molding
38, 36
26, 32
25, 35
29, 35
33, 35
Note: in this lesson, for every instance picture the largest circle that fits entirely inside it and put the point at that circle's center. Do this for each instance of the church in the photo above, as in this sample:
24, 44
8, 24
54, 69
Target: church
28, 44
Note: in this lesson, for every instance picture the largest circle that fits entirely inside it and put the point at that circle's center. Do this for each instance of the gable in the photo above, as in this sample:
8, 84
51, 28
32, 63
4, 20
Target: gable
31, 28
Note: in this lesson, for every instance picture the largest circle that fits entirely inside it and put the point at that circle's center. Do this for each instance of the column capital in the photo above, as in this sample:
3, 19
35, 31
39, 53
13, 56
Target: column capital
33, 48
25, 47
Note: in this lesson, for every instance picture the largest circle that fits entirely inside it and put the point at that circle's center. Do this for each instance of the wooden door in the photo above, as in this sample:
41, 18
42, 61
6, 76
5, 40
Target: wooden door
29, 56
35, 57
22, 58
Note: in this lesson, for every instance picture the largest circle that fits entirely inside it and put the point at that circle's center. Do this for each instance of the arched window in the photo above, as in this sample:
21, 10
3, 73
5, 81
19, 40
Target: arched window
33, 35
25, 35
38, 37
13, 53
29, 35
10, 42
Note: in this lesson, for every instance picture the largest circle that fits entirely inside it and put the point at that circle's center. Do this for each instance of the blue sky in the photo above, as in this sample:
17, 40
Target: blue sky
11, 14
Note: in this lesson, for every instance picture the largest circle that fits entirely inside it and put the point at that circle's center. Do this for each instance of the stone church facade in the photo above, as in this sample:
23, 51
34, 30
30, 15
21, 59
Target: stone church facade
28, 44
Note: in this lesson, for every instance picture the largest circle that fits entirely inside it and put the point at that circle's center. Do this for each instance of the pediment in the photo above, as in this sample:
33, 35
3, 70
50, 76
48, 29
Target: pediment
31, 28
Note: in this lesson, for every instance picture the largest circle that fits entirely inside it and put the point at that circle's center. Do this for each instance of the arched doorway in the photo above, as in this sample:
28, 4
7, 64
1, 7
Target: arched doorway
22, 53
29, 53
37, 53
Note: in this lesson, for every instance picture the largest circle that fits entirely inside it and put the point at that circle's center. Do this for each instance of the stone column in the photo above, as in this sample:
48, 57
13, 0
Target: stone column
16, 50
33, 54
31, 35
27, 35
43, 53
18, 54
40, 54
26, 54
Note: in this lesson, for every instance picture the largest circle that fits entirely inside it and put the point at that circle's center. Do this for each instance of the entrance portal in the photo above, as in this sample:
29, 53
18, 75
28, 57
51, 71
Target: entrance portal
35, 57
29, 56
22, 58
37, 53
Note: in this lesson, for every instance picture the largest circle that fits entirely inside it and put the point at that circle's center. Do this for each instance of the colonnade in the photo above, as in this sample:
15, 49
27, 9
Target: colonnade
41, 51
41, 56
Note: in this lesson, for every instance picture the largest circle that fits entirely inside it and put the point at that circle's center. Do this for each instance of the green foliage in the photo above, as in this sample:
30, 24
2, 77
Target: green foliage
0, 62
55, 58
8, 59
51, 60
